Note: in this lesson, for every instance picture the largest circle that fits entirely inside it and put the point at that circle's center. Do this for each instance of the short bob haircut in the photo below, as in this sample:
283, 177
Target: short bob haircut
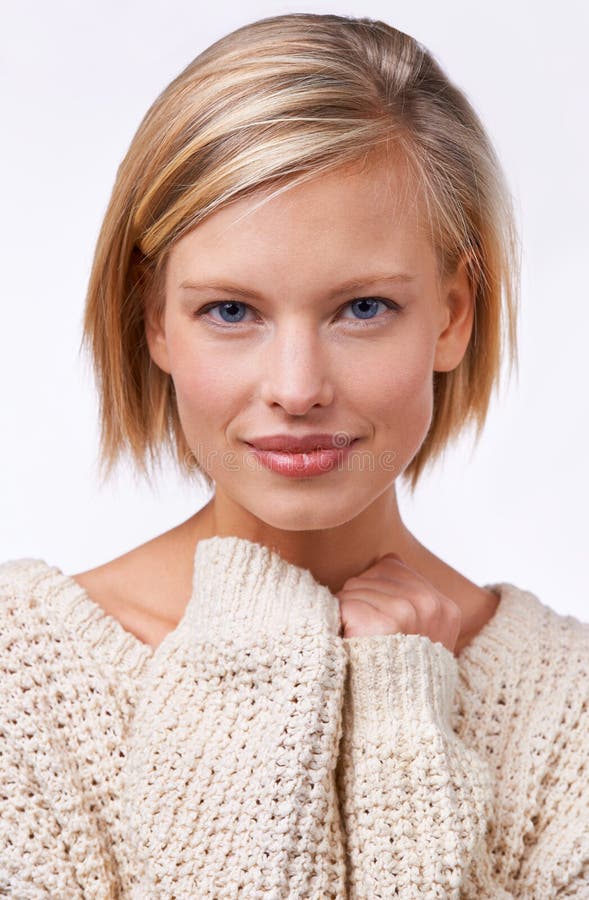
272, 104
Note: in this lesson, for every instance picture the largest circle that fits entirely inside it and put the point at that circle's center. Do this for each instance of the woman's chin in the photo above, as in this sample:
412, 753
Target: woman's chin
310, 513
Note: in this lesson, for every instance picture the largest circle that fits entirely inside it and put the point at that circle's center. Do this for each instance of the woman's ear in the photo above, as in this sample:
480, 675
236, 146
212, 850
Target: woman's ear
155, 335
457, 299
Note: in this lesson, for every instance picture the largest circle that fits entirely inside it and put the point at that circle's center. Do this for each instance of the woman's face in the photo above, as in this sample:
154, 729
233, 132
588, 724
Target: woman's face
300, 352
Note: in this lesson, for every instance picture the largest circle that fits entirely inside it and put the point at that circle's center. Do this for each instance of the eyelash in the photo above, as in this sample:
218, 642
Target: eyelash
390, 304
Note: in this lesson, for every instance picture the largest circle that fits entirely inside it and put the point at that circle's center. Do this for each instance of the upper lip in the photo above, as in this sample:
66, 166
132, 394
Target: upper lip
302, 443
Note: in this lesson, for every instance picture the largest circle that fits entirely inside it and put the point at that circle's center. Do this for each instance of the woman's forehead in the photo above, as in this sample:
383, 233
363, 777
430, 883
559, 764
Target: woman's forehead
358, 207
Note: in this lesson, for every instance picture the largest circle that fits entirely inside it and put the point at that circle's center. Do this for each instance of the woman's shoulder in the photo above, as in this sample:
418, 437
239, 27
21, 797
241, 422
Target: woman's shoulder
529, 652
526, 623
144, 591
28, 645
38, 600
26, 584
23, 579
529, 673
552, 629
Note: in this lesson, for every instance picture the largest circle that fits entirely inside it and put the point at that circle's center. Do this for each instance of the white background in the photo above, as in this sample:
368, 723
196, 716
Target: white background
78, 78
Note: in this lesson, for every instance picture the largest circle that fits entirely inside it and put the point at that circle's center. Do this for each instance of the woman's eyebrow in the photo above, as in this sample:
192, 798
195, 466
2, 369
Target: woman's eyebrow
344, 287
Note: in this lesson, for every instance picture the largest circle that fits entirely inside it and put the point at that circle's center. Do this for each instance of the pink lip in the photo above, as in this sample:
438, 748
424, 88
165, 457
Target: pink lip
302, 465
301, 443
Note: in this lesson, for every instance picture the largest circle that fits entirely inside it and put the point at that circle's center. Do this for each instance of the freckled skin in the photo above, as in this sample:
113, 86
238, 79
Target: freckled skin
298, 360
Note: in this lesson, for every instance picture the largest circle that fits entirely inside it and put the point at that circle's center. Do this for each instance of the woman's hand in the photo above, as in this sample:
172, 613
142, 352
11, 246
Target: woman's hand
389, 598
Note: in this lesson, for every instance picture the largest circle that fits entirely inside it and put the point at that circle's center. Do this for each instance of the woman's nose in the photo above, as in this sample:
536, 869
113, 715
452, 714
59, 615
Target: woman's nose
295, 371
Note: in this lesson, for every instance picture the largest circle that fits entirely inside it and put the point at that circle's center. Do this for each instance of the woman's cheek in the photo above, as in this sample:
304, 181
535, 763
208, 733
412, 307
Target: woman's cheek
206, 392
405, 408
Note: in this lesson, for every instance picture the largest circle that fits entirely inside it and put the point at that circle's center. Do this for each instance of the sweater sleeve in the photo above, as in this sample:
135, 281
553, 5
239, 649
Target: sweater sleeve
415, 800
53, 839
36, 858
229, 781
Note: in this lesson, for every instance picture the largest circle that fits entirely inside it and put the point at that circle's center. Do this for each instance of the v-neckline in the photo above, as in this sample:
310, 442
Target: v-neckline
114, 645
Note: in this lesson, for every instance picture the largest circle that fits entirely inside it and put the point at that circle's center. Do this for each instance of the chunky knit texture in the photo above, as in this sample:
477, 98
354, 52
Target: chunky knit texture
255, 753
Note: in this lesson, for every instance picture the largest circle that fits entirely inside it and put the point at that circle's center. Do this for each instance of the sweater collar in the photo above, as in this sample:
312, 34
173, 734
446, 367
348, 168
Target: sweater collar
68, 604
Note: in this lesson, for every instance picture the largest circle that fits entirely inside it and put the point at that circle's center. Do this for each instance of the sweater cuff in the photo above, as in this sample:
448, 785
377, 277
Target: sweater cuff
240, 587
398, 680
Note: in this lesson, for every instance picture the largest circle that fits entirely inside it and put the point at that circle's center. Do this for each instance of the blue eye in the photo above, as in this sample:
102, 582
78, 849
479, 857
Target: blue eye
231, 307
369, 313
366, 307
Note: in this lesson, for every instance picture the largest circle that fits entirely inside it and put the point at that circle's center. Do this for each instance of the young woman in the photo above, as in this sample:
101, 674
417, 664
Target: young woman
304, 287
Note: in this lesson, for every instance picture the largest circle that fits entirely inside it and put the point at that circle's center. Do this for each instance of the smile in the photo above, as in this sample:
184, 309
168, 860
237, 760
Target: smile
301, 465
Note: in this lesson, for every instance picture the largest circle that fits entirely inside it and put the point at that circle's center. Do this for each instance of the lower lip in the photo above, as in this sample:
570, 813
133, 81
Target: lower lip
301, 465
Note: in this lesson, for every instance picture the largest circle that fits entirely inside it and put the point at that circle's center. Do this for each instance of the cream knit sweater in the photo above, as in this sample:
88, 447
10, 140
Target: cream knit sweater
255, 753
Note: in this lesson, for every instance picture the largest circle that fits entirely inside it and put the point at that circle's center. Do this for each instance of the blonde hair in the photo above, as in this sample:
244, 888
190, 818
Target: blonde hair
272, 104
